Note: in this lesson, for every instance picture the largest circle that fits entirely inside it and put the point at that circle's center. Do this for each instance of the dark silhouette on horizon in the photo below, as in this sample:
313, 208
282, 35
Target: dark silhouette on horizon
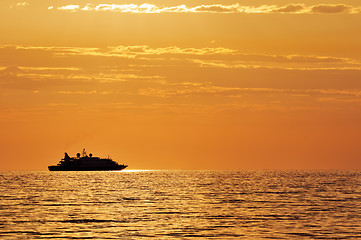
86, 163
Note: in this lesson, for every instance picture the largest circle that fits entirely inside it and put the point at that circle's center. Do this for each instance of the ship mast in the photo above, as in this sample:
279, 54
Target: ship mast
84, 153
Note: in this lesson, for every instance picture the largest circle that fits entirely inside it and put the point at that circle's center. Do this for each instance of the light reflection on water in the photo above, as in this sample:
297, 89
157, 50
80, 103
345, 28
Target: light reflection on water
138, 170
180, 205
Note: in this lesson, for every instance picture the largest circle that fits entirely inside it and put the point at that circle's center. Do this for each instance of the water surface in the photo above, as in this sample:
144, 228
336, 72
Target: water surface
180, 205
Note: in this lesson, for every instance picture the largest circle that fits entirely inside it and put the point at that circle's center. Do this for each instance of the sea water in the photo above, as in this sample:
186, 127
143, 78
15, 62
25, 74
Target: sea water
180, 205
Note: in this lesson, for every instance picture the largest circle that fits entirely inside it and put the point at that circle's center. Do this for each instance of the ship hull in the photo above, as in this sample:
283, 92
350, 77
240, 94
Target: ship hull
61, 168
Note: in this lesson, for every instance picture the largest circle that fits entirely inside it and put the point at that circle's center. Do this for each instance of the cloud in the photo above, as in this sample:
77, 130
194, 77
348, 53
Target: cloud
327, 8
11, 71
78, 92
286, 64
217, 8
71, 8
34, 78
339, 100
207, 56
195, 91
218, 57
126, 51
14, 77
291, 8
150, 75
74, 60
147, 8
146, 50
51, 68
22, 4
259, 99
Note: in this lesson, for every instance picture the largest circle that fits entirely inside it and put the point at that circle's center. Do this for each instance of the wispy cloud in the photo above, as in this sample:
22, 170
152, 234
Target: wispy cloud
235, 79
146, 50
78, 92
143, 56
22, 4
174, 74
340, 100
199, 91
213, 8
235, 92
287, 64
210, 56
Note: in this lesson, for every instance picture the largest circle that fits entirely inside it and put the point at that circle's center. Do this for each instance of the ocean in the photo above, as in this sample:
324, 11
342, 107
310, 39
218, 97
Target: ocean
180, 205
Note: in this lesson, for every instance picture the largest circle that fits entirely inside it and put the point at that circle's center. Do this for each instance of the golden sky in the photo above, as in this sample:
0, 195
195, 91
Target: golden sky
181, 84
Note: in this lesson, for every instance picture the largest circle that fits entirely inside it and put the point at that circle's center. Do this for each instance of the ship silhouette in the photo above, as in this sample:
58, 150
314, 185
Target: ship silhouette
86, 163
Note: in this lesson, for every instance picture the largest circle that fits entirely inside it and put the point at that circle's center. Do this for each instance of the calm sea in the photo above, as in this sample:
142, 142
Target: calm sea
180, 205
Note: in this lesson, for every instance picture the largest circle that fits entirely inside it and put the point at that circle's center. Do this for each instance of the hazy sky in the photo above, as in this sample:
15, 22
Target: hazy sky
181, 84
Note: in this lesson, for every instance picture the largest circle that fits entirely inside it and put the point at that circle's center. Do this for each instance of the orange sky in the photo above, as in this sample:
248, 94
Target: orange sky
181, 84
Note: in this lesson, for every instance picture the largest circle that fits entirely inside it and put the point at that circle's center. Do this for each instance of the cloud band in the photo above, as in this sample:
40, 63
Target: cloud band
147, 8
